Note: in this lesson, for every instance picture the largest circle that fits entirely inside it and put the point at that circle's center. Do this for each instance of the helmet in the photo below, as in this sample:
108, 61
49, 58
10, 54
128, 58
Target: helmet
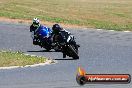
36, 23
56, 28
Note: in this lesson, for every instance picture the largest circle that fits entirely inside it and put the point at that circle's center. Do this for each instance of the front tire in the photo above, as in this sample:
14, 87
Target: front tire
74, 52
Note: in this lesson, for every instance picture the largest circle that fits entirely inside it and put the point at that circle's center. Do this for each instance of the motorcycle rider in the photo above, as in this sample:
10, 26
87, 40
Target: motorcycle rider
36, 28
57, 29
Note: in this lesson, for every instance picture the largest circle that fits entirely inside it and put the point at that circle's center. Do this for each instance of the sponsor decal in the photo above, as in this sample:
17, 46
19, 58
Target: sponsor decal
83, 78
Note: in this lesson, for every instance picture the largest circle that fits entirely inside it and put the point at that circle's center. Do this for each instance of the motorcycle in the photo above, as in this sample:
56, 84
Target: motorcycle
46, 43
42, 39
67, 45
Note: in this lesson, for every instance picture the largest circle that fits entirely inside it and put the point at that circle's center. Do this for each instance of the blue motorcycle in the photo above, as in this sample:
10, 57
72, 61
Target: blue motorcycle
42, 38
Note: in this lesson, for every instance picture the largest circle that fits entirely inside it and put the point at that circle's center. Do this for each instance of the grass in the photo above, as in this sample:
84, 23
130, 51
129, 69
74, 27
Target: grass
106, 14
18, 59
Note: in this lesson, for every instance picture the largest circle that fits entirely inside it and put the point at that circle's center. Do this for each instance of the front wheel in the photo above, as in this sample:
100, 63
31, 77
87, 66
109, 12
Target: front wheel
76, 57
74, 52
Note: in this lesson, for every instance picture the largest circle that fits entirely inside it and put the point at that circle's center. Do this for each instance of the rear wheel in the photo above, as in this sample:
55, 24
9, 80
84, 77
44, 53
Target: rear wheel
48, 48
57, 49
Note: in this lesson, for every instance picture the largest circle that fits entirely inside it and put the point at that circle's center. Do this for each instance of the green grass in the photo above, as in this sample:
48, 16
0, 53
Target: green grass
106, 14
9, 58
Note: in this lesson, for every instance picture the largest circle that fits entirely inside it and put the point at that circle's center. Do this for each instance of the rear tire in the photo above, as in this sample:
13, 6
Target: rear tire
47, 48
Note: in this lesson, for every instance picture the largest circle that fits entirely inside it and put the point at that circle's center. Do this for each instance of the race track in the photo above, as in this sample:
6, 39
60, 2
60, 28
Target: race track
100, 52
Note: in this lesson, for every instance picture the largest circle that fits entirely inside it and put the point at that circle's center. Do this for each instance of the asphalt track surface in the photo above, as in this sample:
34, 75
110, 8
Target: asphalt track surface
100, 52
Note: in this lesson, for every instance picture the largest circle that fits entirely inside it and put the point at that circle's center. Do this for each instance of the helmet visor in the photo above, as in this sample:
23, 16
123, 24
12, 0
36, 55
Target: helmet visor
36, 24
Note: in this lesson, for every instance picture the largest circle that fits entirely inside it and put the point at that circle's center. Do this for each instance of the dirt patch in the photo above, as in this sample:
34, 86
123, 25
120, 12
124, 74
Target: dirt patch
42, 22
